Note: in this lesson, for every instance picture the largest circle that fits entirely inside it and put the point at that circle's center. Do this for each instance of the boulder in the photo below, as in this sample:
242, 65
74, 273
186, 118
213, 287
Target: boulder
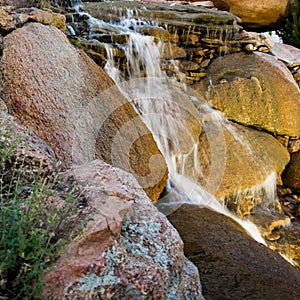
251, 89
59, 93
34, 155
232, 159
231, 264
258, 14
291, 175
127, 249
287, 53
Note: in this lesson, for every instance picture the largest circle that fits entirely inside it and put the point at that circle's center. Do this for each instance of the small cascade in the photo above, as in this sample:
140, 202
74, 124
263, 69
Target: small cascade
152, 94
265, 190
174, 115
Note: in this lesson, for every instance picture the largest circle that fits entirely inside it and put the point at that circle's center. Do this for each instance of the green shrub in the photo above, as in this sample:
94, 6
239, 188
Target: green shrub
290, 33
34, 220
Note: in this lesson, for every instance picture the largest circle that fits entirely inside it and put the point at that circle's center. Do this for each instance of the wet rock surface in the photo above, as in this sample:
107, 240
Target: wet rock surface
231, 264
164, 14
127, 249
234, 159
286, 241
186, 33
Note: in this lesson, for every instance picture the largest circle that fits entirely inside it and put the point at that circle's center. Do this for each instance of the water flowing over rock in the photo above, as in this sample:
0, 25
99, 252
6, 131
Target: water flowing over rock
234, 158
232, 266
251, 89
183, 16
66, 99
128, 250
256, 14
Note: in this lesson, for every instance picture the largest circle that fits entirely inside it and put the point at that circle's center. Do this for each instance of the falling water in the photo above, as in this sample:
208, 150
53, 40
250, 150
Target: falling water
167, 111
164, 109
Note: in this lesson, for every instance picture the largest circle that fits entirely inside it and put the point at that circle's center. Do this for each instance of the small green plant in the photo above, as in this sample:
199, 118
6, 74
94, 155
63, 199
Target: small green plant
290, 33
33, 222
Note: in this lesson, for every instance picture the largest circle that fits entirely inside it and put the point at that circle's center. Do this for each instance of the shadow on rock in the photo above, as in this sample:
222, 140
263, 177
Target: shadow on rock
231, 264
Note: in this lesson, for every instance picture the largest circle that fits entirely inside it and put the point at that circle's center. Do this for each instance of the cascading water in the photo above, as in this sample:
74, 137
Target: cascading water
167, 111
164, 107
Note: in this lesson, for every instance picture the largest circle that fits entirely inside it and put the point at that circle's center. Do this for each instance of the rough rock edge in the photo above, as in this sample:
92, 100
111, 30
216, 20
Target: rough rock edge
129, 248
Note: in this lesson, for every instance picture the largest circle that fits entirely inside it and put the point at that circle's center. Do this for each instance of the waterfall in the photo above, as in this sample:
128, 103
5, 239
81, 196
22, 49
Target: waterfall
164, 109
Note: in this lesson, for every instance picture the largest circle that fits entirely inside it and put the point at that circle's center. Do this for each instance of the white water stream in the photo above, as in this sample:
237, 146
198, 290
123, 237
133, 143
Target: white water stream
166, 110
152, 95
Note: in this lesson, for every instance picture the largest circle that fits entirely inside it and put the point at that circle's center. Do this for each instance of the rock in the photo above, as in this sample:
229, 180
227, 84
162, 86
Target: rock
260, 15
158, 32
171, 51
46, 17
232, 159
231, 264
291, 175
190, 20
37, 158
286, 53
251, 41
3, 106
14, 4
268, 222
293, 145
66, 99
251, 89
288, 243
6, 22
127, 250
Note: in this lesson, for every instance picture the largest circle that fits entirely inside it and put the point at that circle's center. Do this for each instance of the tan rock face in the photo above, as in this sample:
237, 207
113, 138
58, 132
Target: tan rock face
235, 159
48, 18
6, 22
251, 89
64, 97
257, 13
125, 249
